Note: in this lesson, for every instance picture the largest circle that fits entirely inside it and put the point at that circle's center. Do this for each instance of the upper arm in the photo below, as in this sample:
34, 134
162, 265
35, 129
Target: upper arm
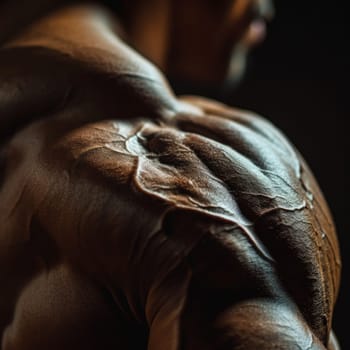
263, 324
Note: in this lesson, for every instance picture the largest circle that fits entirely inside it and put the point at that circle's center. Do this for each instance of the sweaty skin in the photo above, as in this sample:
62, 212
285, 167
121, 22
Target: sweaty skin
133, 219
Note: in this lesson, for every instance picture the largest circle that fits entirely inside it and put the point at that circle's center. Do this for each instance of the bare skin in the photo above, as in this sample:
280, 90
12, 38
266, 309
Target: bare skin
134, 219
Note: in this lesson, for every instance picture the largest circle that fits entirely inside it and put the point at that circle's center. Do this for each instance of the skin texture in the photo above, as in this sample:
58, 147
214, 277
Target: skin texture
133, 219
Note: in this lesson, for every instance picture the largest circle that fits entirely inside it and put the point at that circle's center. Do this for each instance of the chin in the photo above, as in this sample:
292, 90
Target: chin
237, 66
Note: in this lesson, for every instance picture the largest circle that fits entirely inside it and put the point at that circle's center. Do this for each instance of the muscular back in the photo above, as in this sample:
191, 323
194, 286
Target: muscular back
132, 219
201, 231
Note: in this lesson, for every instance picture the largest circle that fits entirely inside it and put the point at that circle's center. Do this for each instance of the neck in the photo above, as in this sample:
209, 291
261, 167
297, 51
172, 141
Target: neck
149, 31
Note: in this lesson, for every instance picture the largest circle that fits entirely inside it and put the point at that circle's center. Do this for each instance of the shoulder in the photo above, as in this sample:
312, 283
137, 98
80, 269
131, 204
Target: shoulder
222, 178
274, 188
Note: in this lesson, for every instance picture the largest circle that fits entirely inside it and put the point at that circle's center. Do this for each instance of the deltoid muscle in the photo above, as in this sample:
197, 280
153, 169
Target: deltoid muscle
204, 231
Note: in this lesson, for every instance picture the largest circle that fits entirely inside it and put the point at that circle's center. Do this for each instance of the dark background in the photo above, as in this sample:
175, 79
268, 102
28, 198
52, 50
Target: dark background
294, 79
